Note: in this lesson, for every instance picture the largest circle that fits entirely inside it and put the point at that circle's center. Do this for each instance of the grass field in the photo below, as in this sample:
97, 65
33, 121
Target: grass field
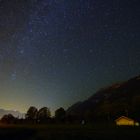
68, 132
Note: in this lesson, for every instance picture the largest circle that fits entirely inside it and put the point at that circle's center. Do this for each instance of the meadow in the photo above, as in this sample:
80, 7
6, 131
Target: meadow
68, 132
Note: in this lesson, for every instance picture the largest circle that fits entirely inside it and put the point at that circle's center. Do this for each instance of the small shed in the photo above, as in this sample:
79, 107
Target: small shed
125, 121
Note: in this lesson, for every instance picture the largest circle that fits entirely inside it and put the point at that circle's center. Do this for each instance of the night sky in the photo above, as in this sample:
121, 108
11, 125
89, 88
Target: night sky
56, 52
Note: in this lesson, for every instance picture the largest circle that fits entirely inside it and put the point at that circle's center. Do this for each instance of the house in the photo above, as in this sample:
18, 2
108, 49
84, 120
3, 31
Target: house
126, 121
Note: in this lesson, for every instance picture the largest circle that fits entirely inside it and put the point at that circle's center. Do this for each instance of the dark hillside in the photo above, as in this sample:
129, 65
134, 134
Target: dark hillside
111, 102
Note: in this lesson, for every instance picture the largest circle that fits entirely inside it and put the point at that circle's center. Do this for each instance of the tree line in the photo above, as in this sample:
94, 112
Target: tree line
106, 112
35, 116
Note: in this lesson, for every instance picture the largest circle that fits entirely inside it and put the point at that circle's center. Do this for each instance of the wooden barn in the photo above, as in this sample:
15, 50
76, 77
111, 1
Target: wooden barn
126, 121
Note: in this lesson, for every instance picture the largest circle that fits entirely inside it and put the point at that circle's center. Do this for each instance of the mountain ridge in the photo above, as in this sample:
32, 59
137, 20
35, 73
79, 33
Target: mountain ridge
117, 99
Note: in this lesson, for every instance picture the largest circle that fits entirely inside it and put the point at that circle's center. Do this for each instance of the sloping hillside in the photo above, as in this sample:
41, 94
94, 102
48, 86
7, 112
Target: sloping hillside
111, 102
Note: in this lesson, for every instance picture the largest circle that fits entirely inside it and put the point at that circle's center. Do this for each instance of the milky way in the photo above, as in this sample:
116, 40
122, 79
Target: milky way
56, 52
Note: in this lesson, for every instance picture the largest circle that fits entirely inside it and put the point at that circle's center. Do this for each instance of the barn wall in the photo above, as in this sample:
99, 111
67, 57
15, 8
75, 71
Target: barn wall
125, 122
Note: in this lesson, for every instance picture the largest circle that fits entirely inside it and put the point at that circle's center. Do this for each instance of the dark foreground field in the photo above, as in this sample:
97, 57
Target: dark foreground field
68, 132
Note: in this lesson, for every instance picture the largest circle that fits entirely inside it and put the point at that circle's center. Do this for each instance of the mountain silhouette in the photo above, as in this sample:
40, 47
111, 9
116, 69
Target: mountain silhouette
113, 101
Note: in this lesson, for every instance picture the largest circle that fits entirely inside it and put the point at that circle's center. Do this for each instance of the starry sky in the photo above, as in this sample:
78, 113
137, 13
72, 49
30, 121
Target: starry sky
56, 52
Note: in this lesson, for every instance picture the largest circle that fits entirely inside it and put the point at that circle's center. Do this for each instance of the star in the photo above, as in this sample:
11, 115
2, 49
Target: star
90, 50
14, 76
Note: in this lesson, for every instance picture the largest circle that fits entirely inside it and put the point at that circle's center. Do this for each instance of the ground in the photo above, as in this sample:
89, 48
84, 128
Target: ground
68, 132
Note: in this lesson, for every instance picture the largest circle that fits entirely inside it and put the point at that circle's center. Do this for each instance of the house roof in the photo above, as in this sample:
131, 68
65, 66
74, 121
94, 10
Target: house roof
123, 117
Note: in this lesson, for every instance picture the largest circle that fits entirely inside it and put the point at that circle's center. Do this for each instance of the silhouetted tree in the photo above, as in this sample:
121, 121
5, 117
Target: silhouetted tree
43, 114
60, 114
9, 118
31, 114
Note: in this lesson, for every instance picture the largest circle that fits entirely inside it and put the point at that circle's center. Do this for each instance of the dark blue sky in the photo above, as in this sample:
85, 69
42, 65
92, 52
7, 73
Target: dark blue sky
56, 52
